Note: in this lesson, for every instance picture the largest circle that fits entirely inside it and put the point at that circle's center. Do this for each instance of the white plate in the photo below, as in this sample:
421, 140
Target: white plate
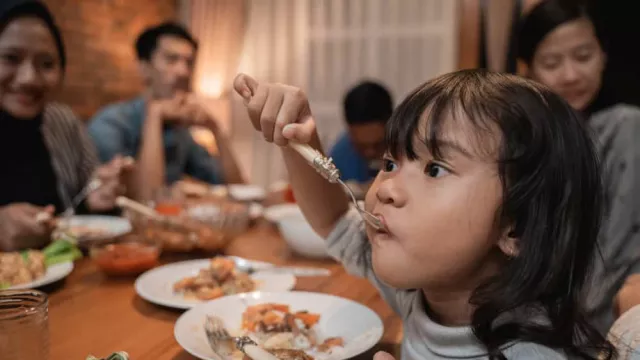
359, 326
156, 285
278, 212
205, 212
53, 274
112, 226
247, 192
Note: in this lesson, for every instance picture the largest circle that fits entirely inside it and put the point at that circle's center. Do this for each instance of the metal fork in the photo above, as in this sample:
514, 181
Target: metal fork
92, 186
325, 167
216, 333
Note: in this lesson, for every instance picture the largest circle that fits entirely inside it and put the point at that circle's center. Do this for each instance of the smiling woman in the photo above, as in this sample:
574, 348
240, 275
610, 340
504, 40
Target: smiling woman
564, 51
45, 155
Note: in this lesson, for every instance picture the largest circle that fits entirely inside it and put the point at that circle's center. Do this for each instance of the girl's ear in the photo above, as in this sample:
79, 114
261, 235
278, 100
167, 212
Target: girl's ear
508, 244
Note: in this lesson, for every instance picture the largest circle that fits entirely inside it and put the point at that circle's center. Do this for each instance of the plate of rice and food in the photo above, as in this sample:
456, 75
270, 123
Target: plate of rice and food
31, 269
290, 325
185, 284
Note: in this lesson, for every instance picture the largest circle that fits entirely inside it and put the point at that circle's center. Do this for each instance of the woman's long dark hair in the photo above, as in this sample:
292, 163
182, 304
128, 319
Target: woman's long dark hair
552, 195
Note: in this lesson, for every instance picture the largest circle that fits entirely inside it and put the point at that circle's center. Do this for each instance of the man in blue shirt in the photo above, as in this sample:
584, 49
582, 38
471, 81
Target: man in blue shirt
358, 151
154, 127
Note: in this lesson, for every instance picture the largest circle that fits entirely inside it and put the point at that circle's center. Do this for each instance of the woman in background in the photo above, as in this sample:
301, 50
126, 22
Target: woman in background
46, 158
560, 44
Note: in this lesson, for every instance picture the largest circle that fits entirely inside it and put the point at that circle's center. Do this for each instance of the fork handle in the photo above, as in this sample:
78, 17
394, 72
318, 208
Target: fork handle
255, 352
306, 151
322, 164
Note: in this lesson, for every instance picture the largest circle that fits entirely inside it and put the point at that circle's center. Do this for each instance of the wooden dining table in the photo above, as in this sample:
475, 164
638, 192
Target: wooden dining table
91, 313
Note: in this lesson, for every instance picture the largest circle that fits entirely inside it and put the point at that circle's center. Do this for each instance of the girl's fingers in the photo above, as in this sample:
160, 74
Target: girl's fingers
256, 105
381, 355
245, 86
300, 132
269, 113
288, 114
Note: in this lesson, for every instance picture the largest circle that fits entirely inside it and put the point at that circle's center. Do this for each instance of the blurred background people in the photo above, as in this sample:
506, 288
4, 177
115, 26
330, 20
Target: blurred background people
154, 127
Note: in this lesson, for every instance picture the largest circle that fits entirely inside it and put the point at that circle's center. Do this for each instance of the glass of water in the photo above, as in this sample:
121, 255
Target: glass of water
24, 325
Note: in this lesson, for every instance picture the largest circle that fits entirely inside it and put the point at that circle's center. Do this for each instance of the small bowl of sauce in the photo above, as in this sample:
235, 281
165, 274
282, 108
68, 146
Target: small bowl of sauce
125, 258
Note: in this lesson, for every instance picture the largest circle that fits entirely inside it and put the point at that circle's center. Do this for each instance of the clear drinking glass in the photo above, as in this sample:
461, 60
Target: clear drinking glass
24, 325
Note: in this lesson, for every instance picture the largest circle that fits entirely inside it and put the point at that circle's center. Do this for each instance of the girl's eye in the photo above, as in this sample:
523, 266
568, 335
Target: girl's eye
435, 170
388, 165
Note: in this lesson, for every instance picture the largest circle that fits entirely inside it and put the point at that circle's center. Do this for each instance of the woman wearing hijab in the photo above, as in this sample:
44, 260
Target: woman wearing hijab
45, 155
561, 46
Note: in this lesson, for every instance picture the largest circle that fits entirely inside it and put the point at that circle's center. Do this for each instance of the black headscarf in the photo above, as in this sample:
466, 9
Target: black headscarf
11, 9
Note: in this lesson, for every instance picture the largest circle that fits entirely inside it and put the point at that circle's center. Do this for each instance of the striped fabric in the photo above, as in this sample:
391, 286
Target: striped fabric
73, 154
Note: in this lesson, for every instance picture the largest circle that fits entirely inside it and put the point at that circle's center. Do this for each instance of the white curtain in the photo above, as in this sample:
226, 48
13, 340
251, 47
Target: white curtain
219, 27
326, 46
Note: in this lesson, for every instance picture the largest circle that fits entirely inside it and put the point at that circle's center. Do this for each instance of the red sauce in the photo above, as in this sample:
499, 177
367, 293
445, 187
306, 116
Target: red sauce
169, 209
128, 258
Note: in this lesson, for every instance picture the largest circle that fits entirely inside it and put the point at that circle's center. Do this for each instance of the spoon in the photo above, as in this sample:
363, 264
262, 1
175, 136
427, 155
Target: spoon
325, 167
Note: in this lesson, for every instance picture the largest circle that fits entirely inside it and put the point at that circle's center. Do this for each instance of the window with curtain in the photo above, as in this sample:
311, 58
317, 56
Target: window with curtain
327, 46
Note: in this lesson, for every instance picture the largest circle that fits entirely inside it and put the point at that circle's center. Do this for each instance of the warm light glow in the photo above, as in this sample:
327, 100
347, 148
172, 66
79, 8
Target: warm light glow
205, 138
210, 85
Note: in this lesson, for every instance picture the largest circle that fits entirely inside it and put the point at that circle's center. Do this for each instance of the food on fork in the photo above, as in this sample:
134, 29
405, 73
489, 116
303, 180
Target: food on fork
219, 279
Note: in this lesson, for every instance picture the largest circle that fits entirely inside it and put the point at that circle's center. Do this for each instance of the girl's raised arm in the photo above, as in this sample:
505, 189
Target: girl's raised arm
283, 115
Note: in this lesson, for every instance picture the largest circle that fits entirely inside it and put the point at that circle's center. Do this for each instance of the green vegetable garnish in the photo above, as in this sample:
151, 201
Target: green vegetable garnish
61, 251
4, 285
71, 255
58, 247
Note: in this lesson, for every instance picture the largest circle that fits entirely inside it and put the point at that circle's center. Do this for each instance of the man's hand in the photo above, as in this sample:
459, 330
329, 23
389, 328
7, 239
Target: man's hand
185, 110
21, 226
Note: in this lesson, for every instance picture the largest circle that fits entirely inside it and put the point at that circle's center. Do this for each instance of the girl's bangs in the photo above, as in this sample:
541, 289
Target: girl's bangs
423, 115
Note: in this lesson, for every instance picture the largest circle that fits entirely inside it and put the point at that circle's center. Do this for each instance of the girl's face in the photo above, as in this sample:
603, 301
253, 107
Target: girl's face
570, 61
440, 214
29, 67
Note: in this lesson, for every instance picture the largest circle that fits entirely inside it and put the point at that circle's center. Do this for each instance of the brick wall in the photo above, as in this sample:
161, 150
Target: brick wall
99, 37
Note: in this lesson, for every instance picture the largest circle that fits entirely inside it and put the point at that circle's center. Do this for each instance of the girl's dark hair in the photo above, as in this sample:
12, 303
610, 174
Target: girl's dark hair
552, 196
544, 18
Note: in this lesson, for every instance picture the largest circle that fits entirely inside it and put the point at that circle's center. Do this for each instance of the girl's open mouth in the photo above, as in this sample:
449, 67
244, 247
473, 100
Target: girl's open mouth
384, 229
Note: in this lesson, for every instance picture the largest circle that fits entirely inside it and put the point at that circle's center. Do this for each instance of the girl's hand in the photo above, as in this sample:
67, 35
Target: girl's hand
111, 175
381, 355
21, 228
281, 112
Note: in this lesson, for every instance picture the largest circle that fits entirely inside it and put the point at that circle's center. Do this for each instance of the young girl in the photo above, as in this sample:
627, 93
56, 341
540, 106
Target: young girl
490, 197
